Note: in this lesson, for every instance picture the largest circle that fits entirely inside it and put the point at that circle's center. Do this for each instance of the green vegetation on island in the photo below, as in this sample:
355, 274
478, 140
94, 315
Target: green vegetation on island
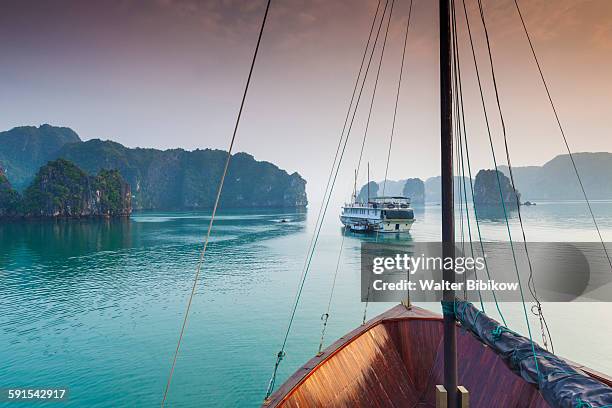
9, 198
61, 189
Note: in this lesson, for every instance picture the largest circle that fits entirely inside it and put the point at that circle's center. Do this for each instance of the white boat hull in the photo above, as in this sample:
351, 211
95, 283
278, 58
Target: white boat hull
376, 225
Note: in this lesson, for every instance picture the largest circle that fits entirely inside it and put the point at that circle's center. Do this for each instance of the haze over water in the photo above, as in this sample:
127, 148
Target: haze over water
97, 305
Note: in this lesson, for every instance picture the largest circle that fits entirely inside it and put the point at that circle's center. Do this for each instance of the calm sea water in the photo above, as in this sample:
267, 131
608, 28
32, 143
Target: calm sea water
96, 306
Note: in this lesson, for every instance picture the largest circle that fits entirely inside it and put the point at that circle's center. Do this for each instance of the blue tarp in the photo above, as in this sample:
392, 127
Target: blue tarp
561, 385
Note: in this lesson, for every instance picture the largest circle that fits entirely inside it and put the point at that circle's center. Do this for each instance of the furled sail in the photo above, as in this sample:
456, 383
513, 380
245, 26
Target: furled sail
561, 385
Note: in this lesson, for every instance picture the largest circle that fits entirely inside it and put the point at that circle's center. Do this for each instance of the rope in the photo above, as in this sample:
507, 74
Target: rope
324, 207
482, 16
365, 310
346, 120
569, 151
498, 331
530, 282
461, 121
212, 218
325, 316
468, 155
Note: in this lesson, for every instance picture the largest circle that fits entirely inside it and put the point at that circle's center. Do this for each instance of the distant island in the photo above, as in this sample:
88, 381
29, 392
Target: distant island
61, 189
487, 190
158, 179
555, 180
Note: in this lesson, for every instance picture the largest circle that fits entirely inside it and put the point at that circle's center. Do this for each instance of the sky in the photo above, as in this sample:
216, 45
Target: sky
170, 73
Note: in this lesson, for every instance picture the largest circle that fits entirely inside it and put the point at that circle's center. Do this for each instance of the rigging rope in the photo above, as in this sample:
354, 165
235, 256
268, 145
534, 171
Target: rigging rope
468, 155
342, 134
462, 127
326, 315
217, 199
482, 17
324, 207
569, 151
365, 310
537, 309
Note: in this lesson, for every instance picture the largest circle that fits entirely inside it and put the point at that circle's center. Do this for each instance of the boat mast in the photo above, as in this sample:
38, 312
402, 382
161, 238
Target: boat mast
448, 221
368, 182
355, 188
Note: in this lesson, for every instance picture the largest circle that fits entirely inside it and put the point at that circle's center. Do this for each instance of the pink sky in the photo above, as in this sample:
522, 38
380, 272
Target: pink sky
170, 73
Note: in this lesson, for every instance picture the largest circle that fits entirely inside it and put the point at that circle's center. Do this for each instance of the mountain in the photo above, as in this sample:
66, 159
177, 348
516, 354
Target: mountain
169, 179
556, 179
487, 186
24, 149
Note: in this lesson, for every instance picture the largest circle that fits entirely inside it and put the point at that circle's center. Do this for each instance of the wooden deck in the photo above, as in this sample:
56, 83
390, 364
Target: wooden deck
395, 360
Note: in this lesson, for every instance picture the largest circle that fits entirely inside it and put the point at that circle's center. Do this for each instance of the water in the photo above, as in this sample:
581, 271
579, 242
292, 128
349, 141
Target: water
97, 305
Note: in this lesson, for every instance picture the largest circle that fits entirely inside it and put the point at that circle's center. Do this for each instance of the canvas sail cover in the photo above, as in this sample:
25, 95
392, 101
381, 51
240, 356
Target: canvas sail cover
561, 384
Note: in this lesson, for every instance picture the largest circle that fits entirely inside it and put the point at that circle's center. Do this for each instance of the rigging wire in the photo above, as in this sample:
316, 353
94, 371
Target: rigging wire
365, 310
482, 17
217, 199
462, 127
342, 134
569, 151
468, 156
537, 309
326, 315
281, 353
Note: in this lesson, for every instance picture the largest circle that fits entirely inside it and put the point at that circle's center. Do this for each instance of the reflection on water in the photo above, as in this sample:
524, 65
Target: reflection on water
96, 305
495, 213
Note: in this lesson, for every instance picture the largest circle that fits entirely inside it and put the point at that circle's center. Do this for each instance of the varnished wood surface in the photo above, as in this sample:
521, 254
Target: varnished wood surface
395, 360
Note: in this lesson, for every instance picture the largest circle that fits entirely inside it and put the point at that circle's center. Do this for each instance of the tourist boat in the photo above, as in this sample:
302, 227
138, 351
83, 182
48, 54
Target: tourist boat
380, 214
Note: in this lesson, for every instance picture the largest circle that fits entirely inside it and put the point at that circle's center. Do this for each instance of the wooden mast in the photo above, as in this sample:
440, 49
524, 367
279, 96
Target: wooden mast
448, 222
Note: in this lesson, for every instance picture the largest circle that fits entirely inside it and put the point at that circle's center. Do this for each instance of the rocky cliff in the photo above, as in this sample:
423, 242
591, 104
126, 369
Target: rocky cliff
9, 198
61, 189
486, 189
414, 188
